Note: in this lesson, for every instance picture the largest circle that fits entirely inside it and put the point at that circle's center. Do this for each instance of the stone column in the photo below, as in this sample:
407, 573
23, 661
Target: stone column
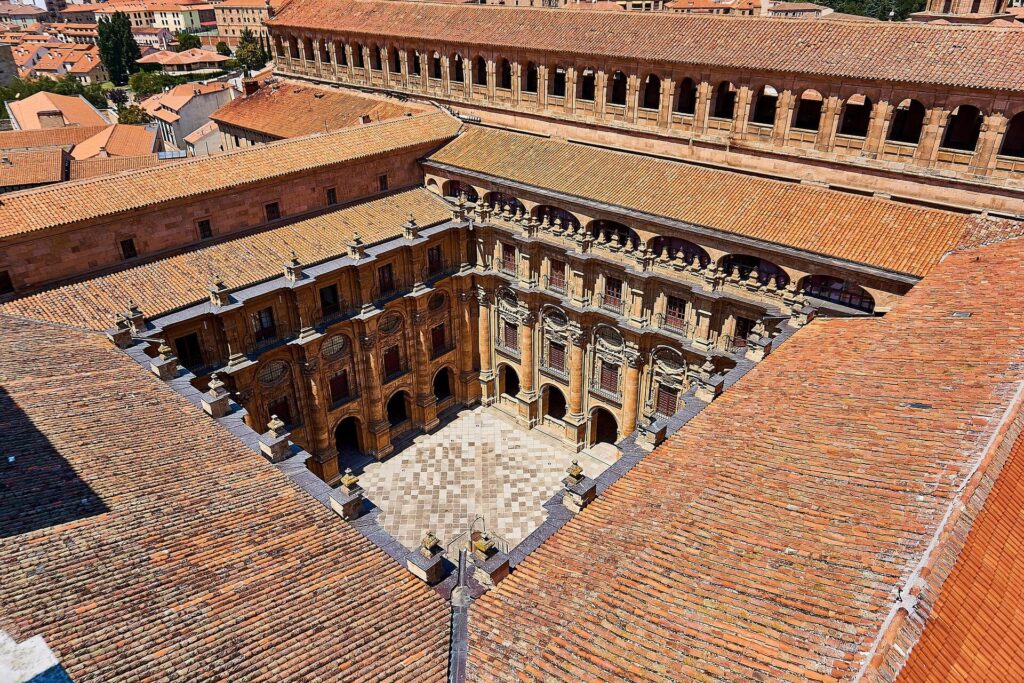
517, 83
542, 87
487, 389
703, 109
370, 387
324, 463
527, 394
878, 128
600, 93
631, 391
741, 113
467, 372
668, 89
570, 90
702, 331
632, 97
828, 124
492, 79
426, 403
992, 129
932, 130
332, 50
783, 117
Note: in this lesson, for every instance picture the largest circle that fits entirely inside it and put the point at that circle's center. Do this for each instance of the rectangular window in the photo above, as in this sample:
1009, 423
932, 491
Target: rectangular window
511, 336
609, 377
392, 361
189, 350
273, 211
557, 280
437, 340
6, 284
282, 409
675, 313
332, 196
205, 229
263, 325
613, 293
128, 250
667, 401
382, 182
435, 261
339, 387
556, 356
508, 259
330, 303
386, 279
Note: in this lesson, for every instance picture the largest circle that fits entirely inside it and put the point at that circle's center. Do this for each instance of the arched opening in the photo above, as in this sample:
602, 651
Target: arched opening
765, 105
398, 409
907, 122
325, 54
530, 78
456, 189
394, 61
414, 62
556, 83
458, 70
375, 61
603, 427
617, 84
808, 111
293, 47
676, 249
508, 381
347, 438
443, 382
307, 47
357, 55
856, 116
588, 85
612, 234
554, 402
963, 128
435, 66
278, 46
650, 97
556, 217
1013, 139
342, 53
839, 292
498, 201
479, 71
742, 266
686, 97
724, 104
505, 75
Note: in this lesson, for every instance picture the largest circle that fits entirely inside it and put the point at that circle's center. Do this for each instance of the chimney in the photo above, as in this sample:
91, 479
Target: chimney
250, 86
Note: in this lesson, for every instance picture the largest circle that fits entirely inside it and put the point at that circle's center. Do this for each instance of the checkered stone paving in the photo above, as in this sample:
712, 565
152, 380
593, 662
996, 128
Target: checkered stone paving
481, 463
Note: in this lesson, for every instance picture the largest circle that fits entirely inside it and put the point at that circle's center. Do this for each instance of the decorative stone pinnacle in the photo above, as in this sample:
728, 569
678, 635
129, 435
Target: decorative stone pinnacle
133, 308
165, 351
276, 426
430, 545
574, 470
349, 480
295, 259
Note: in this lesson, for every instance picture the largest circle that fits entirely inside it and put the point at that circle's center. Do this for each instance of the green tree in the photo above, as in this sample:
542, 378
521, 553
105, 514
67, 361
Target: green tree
186, 41
223, 49
118, 98
146, 83
133, 114
20, 89
118, 49
250, 56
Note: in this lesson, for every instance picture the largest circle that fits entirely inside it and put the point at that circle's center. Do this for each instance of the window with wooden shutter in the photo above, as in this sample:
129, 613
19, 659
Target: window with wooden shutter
437, 340
613, 293
667, 401
339, 386
558, 275
508, 259
556, 356
609, 377
263, 325
392, 361
675, 315
511, 336
386, 279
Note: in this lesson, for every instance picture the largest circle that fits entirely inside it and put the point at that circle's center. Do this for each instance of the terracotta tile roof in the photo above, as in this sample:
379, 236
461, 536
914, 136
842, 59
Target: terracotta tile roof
31, 168
100, 166
886, 234
208, 128
769, 538
287, 110
76, 111
47, 137
180, 95
181, 280
193, 56
34, 210
971, 57
119, 140
211, 565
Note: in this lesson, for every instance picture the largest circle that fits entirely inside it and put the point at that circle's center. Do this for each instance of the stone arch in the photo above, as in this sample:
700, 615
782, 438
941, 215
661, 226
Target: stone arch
375, 60
435, 65
856, 115
650, 92
686, 97
357, 56
1013, 138
557, 78
508, 380
499, 200
457, 69
612, 233
765, 106
723, 103
479, 70
341, 52
553, 403
455, 188
433, 186
505, 74
531, 78
394, 61
741, 266
348, 436
907, 122
604, 428
293, 47
307, 47
413, 56
963, 128
838, 291
678, 249
807, 113
443, 384
552, 215
617, 88
587, 84
398, 408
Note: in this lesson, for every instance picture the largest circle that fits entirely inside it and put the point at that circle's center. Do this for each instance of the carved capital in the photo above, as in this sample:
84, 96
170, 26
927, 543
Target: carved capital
484, 297
368, 341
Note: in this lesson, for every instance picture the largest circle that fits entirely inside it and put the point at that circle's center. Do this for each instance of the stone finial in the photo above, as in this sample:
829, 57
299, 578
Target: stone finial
121, 333
708, 368
545, 223
483, 545
274, 442
695, 265
135, 317
216, 400
293, 268
165, 351
663, 256
356, 247
430, 545
276, 426
348, 502
574, 471
219, 295
165, 365
410, 230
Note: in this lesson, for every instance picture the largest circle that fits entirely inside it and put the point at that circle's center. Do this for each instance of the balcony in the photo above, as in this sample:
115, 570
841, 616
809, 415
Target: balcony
508, 350
606, 393
561, 374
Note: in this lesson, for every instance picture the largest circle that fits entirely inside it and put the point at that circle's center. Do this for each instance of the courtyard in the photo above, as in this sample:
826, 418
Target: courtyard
481, 466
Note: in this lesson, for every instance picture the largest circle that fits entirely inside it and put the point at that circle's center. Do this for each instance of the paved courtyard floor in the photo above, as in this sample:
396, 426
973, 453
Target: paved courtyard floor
479, 464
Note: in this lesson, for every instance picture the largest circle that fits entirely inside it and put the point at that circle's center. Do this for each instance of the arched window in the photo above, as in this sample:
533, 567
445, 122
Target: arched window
675, 249
293, 47
808, 111
618, 88
480, 71
357, 56
458, 72
856, 116
765, 106
610, 233
553, 213
556, 83
530, 77
963, 128
375, 62
325, 54
686, 97
307, 47
505, 75
1013, 139
745, 265
651, 96
394, 61
907, 121
435, 66
278, 46
839, 291
588, 84
414, 62
456, 188
725, 100
340, 49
